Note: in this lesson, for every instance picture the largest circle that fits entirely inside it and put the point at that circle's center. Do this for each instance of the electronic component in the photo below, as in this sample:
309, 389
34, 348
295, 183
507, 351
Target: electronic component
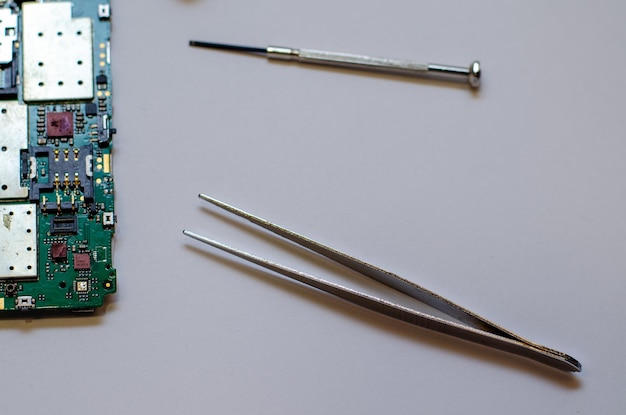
68, 169
82, 261
64, 225
24, 302
82, 286
101, 81
60, 124
57, 211
108, 219
10, 289
104, 11
91, 109
58, 251
104, 132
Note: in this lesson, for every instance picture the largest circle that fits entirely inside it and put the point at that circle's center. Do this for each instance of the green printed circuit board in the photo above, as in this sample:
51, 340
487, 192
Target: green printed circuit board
57, 215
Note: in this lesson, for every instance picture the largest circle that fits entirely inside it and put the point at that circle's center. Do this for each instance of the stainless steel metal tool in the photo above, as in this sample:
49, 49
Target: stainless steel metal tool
469, 74
472, 327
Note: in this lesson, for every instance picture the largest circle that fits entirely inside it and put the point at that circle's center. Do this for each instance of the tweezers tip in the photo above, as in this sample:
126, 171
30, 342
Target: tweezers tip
190, 234
210, 199
577, 366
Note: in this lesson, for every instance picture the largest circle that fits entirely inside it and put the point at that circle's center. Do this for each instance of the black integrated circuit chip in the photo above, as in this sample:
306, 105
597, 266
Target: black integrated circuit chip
64, 225
91, 109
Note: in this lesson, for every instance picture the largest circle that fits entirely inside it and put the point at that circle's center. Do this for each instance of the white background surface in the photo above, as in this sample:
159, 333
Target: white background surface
510, 201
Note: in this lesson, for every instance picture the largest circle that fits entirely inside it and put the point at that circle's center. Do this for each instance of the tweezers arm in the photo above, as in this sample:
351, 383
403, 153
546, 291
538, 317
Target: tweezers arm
377, 274
478, 329
549, 357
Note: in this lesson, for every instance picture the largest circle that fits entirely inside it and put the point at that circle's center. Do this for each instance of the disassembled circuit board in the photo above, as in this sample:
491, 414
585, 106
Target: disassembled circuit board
56, 186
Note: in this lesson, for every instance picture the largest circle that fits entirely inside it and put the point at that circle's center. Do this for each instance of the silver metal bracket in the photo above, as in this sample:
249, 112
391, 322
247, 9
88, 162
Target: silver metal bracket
8, 35
18, 241
13, 138
58, 53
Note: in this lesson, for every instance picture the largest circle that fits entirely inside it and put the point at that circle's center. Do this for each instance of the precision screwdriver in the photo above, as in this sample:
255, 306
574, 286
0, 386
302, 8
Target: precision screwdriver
470, 74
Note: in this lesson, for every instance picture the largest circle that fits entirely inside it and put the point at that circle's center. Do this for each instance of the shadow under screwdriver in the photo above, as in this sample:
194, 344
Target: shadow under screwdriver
470, 74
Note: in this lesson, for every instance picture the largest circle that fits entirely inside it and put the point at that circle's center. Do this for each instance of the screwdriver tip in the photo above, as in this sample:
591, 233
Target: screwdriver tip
223, 46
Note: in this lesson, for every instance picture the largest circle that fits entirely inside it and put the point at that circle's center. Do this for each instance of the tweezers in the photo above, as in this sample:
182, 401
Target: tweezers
473, 327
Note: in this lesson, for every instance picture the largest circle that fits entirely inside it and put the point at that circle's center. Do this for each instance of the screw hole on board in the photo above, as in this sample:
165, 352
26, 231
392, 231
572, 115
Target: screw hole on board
62, 284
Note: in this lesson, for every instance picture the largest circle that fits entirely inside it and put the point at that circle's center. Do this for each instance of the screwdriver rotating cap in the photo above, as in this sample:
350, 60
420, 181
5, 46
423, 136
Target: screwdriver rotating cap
474, 74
